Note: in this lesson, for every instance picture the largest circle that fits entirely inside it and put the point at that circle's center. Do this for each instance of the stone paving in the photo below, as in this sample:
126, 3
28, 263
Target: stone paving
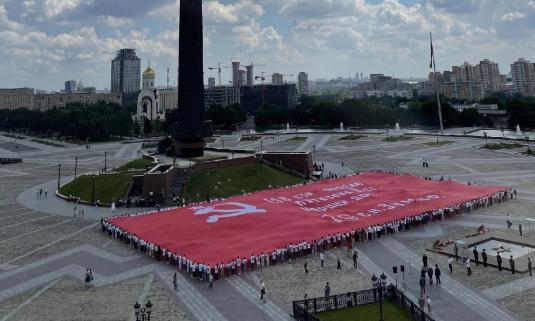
44, 252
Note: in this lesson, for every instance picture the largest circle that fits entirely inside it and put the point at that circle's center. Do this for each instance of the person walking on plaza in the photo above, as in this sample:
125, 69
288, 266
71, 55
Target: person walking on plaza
262, 292
468, 268
430, 275
437, 274
424, 260
450, 264
175, 282
520, 228
306, 267
338, 264
456, 251
327, 290
484, 257
87, 278
355, 258
210, 281
529, 266
421, 302
512, 264
422, 284
476, 255
322, 258
428, 303
499, 260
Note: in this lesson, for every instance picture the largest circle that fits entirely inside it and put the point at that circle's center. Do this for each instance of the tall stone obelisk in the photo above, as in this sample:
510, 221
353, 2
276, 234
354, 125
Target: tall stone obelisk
190, 129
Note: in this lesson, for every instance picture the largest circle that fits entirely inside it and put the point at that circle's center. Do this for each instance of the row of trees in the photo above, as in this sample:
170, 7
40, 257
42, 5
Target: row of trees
421, 111
98, 122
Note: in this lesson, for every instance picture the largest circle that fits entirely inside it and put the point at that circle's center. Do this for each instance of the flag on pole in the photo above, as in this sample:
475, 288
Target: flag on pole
432, 63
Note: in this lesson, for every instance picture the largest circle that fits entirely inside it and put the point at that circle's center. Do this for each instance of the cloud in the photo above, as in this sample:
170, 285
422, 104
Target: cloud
53, 8
5, 22
512, 16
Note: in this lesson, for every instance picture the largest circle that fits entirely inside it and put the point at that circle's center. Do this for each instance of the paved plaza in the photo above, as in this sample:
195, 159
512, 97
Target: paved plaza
44, 250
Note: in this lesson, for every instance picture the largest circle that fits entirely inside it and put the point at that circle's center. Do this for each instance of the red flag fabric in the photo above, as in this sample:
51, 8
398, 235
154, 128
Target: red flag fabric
258, 223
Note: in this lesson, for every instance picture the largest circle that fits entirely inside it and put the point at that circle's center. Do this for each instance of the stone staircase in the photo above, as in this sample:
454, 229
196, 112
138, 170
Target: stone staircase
178, 185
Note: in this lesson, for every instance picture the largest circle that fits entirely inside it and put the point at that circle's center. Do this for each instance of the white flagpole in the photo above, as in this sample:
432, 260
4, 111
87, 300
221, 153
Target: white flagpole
436, 85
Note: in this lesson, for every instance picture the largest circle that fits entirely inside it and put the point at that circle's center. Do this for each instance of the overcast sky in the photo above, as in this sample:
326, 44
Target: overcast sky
45, 42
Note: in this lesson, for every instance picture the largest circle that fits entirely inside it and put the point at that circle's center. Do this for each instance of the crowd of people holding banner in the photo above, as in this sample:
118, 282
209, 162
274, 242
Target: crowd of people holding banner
254, 261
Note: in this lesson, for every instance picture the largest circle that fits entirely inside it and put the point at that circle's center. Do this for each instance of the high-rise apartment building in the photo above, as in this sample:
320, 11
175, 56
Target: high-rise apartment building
277, 79
125, 73
250, 75
236, 73
302, 84
211, 82
489, 74
243, 77
70, 86
523, 73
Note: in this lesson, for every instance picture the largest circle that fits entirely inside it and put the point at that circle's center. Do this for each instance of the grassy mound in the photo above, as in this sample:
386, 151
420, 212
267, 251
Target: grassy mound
234, 180
136, 164
108, 188
439, 143
499, 146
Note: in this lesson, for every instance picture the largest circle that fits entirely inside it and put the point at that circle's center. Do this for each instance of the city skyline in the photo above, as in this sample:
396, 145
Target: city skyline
51, 41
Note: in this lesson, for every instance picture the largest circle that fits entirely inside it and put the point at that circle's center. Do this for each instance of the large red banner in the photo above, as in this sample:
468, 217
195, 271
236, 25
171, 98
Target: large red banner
261, 222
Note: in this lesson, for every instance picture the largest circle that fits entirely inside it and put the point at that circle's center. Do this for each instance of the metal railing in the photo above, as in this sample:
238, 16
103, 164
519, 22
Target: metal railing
306, 310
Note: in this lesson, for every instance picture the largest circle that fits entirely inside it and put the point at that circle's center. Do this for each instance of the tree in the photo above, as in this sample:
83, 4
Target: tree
147, 126
137, 129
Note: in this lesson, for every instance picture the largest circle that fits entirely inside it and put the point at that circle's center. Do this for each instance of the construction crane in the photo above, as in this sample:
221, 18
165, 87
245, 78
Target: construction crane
218, 68
261, 77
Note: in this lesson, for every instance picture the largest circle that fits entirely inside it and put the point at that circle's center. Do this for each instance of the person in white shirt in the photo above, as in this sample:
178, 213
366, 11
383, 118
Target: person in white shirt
322, 258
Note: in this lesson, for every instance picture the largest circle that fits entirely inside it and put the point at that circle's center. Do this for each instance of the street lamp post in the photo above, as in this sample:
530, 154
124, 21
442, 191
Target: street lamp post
105, 161
93, 179
142, 313
208, 186
75, 166
314, 153
379, 284
59, 175
486, 142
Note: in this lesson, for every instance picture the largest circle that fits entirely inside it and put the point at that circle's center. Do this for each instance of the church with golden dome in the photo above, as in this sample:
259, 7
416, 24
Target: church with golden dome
152, 102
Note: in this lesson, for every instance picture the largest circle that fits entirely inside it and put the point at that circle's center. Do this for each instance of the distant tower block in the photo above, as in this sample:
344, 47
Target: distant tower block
235, 73
250, 75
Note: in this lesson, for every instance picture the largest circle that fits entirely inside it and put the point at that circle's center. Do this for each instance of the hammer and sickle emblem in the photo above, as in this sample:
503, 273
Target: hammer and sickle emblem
238, 210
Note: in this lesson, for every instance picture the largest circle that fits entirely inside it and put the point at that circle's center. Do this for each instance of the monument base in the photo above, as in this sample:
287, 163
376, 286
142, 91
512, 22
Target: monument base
188, 149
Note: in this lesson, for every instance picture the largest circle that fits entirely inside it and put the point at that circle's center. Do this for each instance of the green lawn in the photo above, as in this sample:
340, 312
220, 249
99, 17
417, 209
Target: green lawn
369, 312
46, 142
351, 137
108, 188
499, 146
396, 138
439, 143
136, 164
249, 138
229, 181
529, 152
298, 138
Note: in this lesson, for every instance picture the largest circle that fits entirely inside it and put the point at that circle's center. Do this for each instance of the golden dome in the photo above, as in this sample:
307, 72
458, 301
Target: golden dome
149, 72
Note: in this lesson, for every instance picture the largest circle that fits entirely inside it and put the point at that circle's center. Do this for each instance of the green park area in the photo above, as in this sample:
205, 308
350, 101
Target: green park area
235, 180
500, 145
298, 138
529, 152
352, 137
249, 138
136, 164
439, 143
396, 138
108, 188
369, 312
